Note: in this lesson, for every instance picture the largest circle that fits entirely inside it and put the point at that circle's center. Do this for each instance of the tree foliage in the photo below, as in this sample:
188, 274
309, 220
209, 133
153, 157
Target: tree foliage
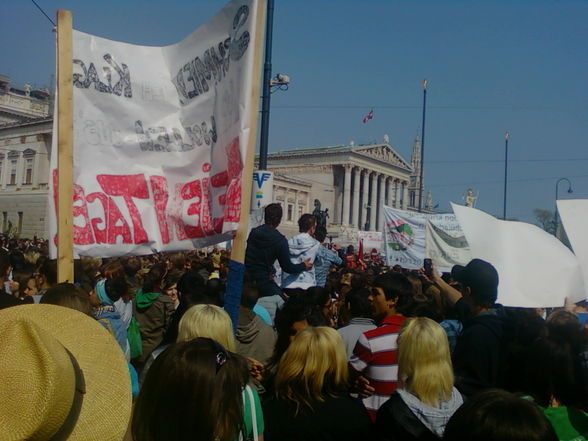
545, 219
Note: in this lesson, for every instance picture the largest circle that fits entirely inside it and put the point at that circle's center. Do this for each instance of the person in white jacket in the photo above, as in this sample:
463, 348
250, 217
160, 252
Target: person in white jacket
303, 246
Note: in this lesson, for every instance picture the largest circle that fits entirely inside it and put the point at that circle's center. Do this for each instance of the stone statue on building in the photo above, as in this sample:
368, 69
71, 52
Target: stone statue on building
469, 198
320, 215
429, 202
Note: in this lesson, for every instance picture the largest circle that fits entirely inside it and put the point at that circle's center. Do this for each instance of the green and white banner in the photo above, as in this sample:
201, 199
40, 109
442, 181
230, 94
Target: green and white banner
410, 236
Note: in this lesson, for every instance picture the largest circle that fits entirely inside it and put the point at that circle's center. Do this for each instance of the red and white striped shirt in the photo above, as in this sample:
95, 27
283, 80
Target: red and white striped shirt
376, 357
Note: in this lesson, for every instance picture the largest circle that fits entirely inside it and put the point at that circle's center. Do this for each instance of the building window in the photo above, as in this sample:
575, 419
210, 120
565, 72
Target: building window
12, 172
28, 171
290, 212
20, 216
4, 221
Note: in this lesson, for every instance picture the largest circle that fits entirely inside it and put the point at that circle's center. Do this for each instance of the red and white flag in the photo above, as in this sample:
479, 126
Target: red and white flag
368, 116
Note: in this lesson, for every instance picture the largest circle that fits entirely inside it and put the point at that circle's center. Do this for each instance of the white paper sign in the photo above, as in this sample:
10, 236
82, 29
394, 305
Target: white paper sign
535, 269
573, 214
371, 240
160, 138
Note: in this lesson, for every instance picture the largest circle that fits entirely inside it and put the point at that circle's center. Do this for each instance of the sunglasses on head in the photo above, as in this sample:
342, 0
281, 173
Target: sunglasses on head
221, 355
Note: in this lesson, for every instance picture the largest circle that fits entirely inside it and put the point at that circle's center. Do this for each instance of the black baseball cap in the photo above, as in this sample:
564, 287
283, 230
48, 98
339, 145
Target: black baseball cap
480, 276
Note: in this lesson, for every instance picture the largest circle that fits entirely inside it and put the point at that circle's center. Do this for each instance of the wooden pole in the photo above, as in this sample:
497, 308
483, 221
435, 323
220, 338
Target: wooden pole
65, 270
240, 242
237, 263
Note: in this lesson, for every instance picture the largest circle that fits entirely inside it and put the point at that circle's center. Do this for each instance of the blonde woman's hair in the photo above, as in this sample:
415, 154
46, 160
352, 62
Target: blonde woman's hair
208, 321
424, 362
313, 367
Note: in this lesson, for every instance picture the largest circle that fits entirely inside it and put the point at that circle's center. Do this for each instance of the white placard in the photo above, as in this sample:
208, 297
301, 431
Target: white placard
371, 240
160, 138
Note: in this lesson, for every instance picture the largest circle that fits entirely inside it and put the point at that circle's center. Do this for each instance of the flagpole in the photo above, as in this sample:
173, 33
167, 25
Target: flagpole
506, 136
65, 270
422, 147
237, 262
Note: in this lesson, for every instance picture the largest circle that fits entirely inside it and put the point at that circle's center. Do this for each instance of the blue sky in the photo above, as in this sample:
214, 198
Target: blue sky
517, 66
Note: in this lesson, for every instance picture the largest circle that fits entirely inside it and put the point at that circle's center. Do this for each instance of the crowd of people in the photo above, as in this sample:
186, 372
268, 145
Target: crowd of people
329, 345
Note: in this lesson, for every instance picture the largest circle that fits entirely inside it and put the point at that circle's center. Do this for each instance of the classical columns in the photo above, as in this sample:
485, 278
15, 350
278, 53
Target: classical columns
373, 202
381, 201
355, 213
364, 199
397, 195
390, 194
404, 195
346, 195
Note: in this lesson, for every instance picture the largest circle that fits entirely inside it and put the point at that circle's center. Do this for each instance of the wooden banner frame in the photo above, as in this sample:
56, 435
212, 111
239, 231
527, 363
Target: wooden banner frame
65, 267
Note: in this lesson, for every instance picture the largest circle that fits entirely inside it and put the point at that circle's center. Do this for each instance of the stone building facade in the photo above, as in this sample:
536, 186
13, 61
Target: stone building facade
352, 182
25, 143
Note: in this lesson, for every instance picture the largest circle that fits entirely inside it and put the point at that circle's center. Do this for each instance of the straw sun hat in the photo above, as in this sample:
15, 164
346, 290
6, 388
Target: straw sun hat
62, 377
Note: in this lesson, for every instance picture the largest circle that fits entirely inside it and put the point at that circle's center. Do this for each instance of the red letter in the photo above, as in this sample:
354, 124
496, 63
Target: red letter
193, 190
82, 235
160, 198
129, 187
205, 209
233, 194
100, 233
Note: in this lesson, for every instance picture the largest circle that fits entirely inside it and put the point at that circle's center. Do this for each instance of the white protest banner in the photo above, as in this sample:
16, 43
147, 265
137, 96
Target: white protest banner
404, 237
371, 240
160, 138
535, 269
445, 243
573, 214
406, 242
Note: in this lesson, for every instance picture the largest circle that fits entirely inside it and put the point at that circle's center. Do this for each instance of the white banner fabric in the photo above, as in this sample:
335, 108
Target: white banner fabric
573, 214
404, 237
446, 244
535, 269
160, 138
406, 243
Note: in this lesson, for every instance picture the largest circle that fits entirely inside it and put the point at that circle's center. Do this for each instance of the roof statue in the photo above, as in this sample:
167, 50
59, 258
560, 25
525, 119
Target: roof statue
469, 198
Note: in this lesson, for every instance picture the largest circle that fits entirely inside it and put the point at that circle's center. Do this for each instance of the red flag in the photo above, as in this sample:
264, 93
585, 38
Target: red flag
368, 116
360, 255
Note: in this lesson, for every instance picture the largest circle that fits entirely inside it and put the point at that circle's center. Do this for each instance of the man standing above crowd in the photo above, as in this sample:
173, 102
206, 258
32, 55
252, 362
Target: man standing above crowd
264, 245
303, 248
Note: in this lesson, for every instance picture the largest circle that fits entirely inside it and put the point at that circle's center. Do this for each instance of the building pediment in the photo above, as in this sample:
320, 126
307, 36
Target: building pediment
29, 152
383, 152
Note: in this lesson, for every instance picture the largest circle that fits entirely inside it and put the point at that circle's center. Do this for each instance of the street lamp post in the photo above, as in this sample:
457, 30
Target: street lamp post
556, 219
265, 99
422, 146
506, 136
